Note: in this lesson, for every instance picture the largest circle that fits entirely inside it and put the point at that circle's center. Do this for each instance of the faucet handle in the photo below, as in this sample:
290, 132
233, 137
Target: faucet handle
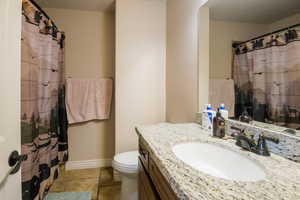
238, 132
272, 139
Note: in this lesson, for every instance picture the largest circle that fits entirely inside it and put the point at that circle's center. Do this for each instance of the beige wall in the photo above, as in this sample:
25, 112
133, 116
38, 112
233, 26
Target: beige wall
203, 57
222, 34
140, 67
288, 21
182, 60
89, 54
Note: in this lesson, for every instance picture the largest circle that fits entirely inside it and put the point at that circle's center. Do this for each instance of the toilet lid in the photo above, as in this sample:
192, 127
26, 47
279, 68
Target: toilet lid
127, 161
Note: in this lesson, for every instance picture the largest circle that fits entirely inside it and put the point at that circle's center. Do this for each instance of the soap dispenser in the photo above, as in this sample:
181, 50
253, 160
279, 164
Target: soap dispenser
219, 125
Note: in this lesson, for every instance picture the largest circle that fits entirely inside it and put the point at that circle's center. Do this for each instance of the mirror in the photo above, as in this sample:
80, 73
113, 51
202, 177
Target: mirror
255, 62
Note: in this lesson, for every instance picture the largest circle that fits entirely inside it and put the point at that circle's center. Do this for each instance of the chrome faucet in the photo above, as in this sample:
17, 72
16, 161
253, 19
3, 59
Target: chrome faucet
245, 117
248, 143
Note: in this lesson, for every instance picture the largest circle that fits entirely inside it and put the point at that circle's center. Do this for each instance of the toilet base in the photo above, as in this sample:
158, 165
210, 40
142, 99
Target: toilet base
129, 190
126, 164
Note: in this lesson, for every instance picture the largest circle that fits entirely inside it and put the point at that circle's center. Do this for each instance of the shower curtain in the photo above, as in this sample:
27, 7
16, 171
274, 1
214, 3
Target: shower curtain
267, 78
43, 116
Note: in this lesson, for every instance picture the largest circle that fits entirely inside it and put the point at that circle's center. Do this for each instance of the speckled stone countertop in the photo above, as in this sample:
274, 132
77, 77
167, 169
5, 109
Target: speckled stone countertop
282, 180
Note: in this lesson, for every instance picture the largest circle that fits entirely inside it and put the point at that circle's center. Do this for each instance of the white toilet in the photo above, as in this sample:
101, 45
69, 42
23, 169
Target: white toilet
127, 165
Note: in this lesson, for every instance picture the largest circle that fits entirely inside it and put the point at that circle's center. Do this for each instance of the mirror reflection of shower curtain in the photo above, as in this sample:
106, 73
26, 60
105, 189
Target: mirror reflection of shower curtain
43, 116
267, 79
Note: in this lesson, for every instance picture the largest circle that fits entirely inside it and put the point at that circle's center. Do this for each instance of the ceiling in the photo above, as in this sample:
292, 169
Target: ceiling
91, 5
253, 11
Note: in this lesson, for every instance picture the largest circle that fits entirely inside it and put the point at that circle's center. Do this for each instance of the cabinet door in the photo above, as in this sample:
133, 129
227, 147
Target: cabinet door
146, 188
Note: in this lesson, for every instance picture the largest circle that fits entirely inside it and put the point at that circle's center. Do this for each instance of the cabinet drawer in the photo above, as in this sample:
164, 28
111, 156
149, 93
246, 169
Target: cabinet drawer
162, 186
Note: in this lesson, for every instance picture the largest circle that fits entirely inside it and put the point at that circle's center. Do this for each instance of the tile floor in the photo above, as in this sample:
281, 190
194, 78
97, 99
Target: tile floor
99, 181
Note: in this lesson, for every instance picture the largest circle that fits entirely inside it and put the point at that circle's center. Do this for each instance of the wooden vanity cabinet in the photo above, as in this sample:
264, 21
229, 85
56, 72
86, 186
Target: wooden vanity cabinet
151, 184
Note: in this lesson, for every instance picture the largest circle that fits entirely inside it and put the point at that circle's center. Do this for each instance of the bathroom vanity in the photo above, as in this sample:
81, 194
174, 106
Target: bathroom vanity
168, 168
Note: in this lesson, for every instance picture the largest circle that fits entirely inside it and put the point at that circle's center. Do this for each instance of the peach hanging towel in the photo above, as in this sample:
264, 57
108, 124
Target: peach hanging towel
88, 99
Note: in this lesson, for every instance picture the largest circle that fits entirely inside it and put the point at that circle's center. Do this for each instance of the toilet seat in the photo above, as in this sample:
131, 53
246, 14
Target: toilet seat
126, 162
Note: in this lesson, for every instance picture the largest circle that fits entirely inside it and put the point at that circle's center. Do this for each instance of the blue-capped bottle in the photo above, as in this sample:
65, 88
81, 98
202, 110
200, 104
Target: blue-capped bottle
207, 118
223, 111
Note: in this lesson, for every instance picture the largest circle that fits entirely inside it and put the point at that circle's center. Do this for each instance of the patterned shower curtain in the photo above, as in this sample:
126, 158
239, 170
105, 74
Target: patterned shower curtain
43, 116
267, 78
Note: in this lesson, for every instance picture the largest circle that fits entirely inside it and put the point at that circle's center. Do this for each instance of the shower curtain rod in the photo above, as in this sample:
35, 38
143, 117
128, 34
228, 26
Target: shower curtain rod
44, 13
264, 35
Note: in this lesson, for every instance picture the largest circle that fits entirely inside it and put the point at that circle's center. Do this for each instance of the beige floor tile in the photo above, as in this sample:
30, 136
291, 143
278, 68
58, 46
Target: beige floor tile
80, 174
83, 185
58, 186
106, 177
110, 192
98, 181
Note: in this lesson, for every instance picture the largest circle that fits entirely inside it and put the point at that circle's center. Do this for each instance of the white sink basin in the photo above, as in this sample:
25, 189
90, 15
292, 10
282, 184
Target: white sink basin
219, 162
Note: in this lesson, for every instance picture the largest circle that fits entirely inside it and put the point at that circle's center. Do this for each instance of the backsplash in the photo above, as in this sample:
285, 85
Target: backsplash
288, 147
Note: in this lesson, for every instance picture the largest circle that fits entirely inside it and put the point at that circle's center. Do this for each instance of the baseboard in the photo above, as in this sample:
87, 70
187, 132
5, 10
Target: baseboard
87, 164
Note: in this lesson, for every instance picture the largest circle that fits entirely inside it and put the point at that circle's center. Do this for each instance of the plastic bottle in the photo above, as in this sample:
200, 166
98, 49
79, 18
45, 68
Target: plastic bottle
207, 118
223, 111
219, 125
204, 113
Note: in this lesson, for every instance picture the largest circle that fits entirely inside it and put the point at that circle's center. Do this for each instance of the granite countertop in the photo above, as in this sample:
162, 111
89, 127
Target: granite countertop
282, 175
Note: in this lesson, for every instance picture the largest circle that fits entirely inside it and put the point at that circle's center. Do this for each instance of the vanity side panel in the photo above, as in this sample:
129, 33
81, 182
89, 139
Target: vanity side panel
162, 186
146, 188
